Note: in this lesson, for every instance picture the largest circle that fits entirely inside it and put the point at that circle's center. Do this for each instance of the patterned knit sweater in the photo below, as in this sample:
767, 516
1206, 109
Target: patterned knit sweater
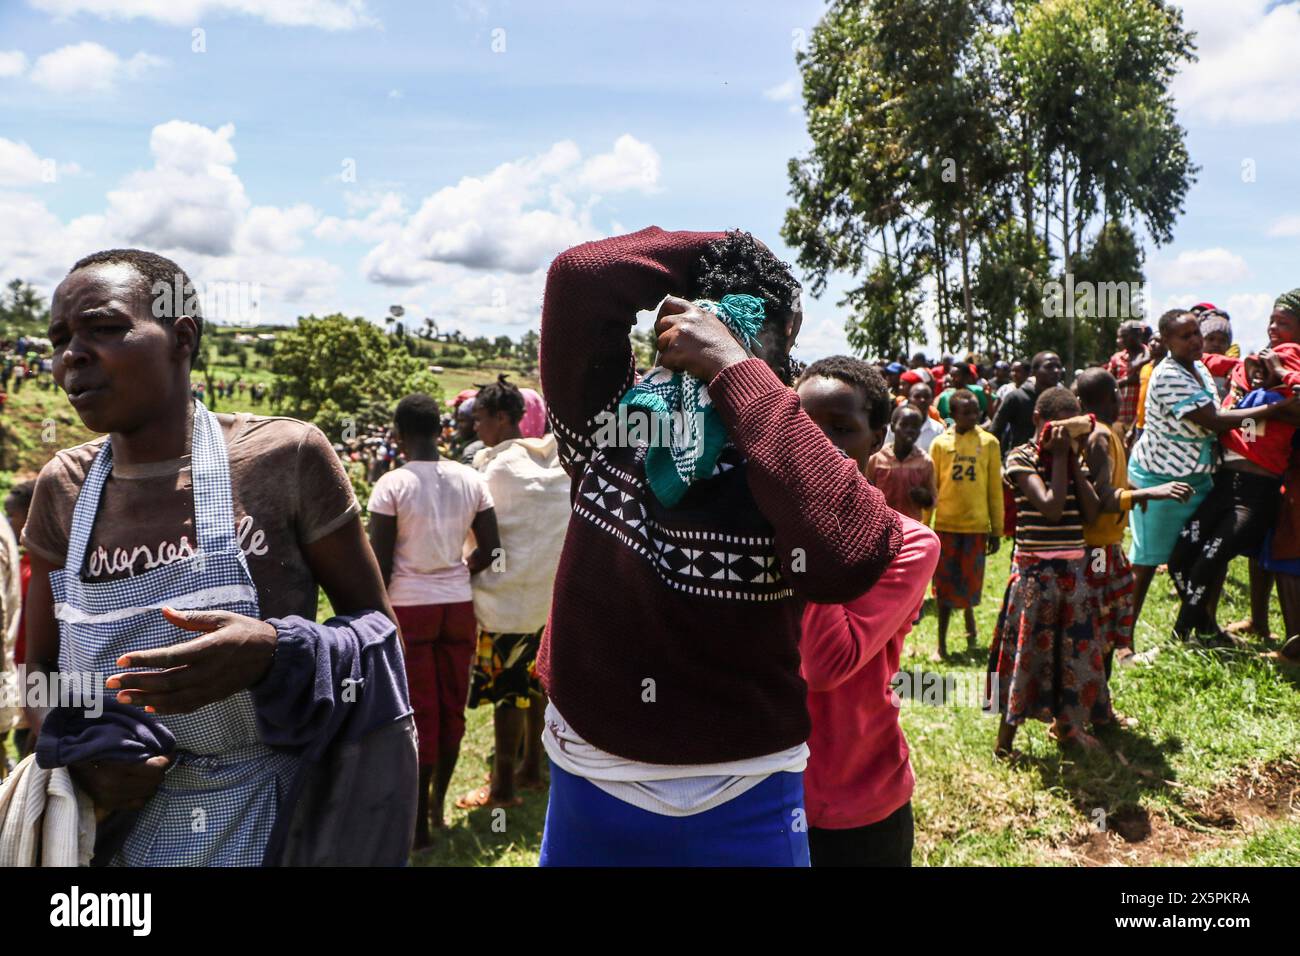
674, 632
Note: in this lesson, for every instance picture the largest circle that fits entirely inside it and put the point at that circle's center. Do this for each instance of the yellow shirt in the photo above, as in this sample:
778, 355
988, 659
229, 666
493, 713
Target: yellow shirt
968, 470
1109, 526
1144, 377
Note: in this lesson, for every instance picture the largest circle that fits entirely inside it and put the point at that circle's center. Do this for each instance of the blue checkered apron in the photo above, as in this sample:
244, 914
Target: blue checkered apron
218, 800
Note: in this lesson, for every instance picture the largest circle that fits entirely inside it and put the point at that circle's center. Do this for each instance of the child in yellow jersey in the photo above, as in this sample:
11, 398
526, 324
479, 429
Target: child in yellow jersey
968, 515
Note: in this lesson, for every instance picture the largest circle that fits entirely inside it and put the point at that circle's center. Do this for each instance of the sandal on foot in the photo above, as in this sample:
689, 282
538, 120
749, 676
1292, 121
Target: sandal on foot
482, 799
1289, 653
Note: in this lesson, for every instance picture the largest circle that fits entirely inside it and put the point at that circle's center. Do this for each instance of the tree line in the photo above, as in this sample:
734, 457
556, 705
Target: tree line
967, 153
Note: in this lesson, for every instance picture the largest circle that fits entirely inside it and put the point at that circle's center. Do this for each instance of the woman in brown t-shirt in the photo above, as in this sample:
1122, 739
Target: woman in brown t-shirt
122, 352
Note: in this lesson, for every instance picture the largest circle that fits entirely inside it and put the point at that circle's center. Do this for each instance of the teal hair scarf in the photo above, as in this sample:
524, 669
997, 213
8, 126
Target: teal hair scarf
685, 435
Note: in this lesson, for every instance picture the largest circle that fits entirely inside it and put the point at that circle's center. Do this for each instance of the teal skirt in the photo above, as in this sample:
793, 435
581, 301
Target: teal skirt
1155, 530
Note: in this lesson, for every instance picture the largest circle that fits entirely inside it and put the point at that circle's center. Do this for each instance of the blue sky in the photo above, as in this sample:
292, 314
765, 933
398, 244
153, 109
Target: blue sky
349, 154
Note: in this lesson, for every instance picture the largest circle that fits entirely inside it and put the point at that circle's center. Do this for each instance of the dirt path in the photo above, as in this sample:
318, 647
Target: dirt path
1136, 837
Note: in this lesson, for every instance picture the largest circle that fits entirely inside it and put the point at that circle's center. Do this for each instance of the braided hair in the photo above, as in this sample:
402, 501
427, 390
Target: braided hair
501, 396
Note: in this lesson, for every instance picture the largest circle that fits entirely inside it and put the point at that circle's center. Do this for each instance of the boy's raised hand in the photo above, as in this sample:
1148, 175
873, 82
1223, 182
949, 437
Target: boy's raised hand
1058, 440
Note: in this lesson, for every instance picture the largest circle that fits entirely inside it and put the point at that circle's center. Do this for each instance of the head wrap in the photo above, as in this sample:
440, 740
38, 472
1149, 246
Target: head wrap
895, 368
1216, 320
467, 406
533, 424
1288, 302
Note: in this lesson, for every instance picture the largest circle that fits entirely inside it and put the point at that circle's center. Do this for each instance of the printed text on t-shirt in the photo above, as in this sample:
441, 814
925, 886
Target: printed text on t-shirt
120, 560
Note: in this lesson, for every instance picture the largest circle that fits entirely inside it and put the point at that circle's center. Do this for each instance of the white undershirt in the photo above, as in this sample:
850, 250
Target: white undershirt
674, 790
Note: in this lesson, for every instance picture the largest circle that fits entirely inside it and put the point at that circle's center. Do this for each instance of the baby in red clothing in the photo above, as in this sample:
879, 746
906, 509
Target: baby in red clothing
1270, 375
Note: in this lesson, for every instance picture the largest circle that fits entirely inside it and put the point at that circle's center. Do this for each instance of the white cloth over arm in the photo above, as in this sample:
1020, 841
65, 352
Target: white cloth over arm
44, 819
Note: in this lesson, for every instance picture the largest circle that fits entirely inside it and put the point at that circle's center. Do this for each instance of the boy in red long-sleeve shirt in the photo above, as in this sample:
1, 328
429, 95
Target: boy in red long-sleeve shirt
858, 783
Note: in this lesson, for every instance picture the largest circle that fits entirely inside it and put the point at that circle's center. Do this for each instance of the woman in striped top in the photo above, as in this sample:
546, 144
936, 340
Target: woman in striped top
1179, 443
1046, 659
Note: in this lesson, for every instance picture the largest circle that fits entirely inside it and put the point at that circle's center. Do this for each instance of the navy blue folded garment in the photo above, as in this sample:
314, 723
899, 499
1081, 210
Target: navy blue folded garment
331, 683
122, 732
336, 695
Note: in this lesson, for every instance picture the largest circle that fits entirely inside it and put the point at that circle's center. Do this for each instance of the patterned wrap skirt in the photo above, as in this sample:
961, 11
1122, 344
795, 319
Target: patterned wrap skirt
1110, 577
959, 576
1046, 662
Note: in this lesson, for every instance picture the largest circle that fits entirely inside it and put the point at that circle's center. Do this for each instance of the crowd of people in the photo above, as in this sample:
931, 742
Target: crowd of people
25, 360
237, 390
700, 634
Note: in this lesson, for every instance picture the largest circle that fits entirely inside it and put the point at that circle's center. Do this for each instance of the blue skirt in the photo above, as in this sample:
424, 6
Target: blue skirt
585, 826
1276, 565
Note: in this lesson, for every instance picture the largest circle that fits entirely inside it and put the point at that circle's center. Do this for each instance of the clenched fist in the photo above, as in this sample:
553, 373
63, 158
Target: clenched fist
694, 340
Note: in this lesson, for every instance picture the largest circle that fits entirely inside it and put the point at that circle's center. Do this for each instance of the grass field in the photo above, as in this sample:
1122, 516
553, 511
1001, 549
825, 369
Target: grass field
1209, 775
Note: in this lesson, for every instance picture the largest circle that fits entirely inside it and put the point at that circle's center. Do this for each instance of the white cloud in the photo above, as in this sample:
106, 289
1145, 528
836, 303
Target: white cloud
476, 302
12, 62
191, 199
784, 92
819, 338
325, 14
1249, 312
87, 68
513, 219
271, 229
190, 206
473, 255
1200, 268
1246, 71
37, 246
383, 219
632, 165
20, 166
1285, 228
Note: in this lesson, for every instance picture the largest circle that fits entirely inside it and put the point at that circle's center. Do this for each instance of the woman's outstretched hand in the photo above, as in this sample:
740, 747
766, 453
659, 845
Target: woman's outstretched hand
234, 653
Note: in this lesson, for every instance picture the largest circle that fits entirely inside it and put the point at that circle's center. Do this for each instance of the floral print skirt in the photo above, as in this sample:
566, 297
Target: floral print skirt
1046, 662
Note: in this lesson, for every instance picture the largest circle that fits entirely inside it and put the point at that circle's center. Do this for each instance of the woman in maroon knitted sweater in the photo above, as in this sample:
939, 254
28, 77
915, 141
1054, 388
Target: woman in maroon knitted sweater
678, 723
